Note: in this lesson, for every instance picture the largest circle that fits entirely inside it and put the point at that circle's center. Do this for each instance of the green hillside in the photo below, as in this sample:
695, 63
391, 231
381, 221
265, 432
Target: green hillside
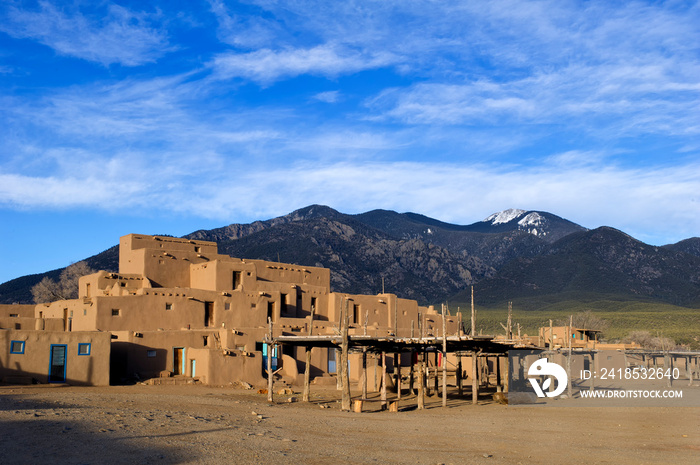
681, 324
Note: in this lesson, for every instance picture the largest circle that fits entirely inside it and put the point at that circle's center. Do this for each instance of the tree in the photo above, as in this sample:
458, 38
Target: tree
647, 341
586, 320
48, 290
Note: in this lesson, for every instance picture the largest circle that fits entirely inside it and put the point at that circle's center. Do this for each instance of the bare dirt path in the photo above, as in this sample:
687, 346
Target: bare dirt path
202, 425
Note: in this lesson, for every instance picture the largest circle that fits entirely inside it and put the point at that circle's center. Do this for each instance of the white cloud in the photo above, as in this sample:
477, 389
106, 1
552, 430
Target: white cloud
266, 66
331, 96
654, 204
121, 36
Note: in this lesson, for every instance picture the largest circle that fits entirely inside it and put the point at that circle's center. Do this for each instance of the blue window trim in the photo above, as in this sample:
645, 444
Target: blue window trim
83, 344
22, 345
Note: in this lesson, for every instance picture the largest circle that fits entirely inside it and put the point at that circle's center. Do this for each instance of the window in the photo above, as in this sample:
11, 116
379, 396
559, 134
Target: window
283, 304
197, 249
227, 306
331, 360
150, 353
84, 348
208, 314
17, 347
116, 312
205, 341
168, 306
122, 284
14, 315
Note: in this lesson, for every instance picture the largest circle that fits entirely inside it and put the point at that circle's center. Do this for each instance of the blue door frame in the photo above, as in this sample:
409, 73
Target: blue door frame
57, 363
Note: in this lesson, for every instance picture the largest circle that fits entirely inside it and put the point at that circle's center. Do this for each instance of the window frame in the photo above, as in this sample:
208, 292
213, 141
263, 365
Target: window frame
17, 352
85, 344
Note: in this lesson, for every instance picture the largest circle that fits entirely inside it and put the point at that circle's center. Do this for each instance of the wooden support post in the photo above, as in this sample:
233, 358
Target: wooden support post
397, 371
475, 381
411, 371
421, 381
510, 320
499, 387
568, 358
551, 336
344, 376
364, 360
458, 380
473, 333
444, 359
270, 375
436, 381
307, 370
421, 363
383, 393
363, 380
397, 360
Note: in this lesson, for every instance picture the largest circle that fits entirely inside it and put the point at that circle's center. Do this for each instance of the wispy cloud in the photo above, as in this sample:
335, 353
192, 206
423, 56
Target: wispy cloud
266, 66
649, 204
331, 96
619, 97
120, 36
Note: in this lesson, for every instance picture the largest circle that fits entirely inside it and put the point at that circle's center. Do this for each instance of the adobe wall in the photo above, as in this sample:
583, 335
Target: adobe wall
292, 274
74, 315
91, 369
223, 275
103, 283
16, 310
146, 354
164, 260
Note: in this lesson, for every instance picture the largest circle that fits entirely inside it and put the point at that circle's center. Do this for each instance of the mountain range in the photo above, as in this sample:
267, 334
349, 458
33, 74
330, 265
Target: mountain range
513, 254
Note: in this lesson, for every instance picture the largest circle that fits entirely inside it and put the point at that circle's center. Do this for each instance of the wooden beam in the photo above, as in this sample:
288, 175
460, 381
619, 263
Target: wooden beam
344, 376
307, 370
421, 371
475, 381
421, 381
270, 375
444, 359
383, 393
397, 371
473, 333
458, 376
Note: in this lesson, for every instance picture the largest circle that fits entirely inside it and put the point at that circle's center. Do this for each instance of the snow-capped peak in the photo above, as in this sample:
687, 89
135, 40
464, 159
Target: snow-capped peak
505, 216
532, 219
531, 222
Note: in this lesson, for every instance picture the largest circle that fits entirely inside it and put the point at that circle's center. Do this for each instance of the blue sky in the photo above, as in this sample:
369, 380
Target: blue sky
172, 116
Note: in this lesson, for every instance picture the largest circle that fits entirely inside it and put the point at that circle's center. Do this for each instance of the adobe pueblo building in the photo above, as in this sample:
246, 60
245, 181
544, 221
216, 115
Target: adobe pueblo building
178, 308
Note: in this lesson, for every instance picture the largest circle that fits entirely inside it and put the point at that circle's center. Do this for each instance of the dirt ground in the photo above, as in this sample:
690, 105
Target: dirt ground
198, 424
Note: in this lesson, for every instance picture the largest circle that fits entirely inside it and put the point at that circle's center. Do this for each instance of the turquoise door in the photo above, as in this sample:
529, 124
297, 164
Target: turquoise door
57, 365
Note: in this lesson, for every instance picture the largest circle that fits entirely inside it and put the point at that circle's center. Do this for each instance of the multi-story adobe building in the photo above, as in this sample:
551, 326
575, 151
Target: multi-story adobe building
179, 308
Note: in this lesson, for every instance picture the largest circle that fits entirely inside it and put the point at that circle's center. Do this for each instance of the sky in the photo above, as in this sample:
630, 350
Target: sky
165, 117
